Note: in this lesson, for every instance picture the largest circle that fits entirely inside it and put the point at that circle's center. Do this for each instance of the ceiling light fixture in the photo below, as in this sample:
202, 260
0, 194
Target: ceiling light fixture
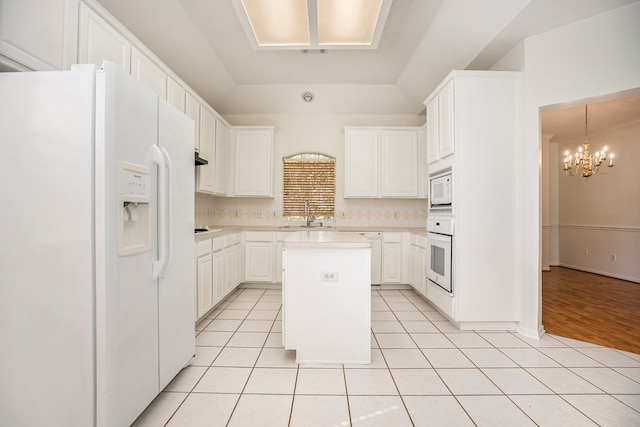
313, 24
307, 96
278, 22
584, 163
347, 22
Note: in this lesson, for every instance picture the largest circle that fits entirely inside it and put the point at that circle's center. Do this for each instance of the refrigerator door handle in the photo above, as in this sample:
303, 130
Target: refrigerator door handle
157, 267
169, 214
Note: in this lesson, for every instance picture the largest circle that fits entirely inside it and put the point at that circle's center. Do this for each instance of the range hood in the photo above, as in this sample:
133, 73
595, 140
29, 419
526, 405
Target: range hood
200, 161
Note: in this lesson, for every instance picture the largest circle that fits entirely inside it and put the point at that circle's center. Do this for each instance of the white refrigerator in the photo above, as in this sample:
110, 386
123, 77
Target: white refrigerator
97, 283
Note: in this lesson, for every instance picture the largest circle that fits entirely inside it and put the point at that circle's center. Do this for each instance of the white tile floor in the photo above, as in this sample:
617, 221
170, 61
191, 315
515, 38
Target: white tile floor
423, 372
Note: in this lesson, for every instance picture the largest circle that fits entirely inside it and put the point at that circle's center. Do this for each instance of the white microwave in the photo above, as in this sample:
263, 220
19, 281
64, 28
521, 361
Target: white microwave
441, 187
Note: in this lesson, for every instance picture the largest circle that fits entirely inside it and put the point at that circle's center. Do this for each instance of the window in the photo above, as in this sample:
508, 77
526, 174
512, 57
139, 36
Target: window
309, 187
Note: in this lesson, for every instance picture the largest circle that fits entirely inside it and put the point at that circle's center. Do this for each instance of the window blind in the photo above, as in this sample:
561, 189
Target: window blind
309, 179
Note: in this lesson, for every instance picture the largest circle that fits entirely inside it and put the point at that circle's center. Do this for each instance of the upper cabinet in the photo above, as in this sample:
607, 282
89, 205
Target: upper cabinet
100, 41
221, 160
38, 35
149, 73
192, 109
384, 162
440, 123
253, 161
399, 163
206, 173
176, 94
361, 167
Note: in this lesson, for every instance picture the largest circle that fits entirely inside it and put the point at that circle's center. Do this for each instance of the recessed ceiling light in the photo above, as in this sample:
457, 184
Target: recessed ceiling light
278, 22
307, 96
347, 22
313, 24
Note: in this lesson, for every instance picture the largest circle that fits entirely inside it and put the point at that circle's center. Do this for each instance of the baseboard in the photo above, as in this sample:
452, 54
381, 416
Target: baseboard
601, 273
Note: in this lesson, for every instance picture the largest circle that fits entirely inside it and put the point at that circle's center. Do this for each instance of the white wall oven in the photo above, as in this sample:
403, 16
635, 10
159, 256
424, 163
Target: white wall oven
439, 252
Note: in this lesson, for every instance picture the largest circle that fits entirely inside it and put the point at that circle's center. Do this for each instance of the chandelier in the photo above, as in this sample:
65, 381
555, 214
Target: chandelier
584, 163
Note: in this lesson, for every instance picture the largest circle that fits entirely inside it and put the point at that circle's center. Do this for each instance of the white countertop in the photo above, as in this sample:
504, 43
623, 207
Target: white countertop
326, 239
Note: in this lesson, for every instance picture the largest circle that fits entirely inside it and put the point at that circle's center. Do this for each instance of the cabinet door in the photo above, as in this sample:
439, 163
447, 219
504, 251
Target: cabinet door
229, 270
237, 265
433, 130
146, 71
221, 171
218, 277
205, 284
399, 159
423, 175
421, 272
361, 163
176, 94
206, 173
192, 109
447, 129
391, 262
99, 41
258, 262
254, 162
413, 266
40, 35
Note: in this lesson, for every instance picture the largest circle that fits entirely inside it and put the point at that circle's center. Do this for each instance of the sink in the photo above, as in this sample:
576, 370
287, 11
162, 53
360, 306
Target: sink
206, 229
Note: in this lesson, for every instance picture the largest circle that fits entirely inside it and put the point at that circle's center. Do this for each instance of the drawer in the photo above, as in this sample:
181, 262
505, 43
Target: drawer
203, 247
218, 243
259, 236
392, 237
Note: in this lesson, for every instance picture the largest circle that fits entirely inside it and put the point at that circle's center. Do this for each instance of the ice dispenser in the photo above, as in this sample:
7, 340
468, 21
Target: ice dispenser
134, 209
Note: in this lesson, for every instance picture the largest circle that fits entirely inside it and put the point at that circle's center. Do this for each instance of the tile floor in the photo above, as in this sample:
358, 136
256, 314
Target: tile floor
424, 372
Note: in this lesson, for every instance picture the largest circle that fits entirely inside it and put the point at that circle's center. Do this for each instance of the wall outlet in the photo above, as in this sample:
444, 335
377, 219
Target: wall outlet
236, 214
614, 257
274, 214
257, 214
343, 215
329, 276
396, 215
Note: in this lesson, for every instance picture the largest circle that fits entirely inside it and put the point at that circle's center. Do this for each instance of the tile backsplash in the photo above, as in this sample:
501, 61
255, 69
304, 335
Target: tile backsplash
349, 212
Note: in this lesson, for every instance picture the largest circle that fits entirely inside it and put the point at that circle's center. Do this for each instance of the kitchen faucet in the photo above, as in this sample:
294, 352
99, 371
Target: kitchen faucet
307, 211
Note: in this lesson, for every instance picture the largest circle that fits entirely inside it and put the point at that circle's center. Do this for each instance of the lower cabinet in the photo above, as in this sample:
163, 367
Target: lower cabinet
259, 262
218, 266
417, 263
392, 257
204, 277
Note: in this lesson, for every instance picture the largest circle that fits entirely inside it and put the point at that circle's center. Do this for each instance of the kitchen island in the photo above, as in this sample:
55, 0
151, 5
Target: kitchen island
326, 292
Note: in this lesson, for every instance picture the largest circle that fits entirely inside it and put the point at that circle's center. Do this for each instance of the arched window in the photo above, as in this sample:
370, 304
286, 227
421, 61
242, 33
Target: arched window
309, 187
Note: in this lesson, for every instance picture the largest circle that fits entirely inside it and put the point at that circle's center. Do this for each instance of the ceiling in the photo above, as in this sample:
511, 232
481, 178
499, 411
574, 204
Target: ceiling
204, 43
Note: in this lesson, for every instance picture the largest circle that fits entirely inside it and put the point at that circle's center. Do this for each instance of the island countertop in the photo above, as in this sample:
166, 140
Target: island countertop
326, 239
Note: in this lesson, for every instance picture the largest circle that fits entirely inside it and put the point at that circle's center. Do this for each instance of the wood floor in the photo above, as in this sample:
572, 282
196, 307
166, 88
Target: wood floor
593, 308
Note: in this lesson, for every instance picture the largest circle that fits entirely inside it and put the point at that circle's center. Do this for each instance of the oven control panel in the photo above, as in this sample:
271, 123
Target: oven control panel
440, 225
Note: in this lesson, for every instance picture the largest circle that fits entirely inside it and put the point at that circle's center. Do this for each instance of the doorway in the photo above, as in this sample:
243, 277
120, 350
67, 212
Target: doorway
591, 227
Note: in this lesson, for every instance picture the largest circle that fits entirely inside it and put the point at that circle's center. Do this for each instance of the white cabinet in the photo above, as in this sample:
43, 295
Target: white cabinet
218, 268
150, 74
206, 173
392, 257
441, 123
192, 109
417, 263
479, 118
221, 159
399, 163
382, 162
39, 35
259, 260
204, 277
361, 162
253, 161
176, 94
99, 41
